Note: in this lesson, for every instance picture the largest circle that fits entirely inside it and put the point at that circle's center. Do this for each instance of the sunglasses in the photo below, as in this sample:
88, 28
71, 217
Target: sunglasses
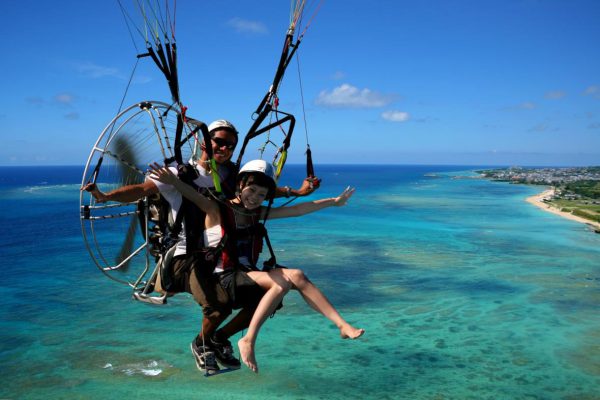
224, 143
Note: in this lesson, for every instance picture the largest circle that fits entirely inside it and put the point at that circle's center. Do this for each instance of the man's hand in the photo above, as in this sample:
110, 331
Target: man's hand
309, 185
95, 192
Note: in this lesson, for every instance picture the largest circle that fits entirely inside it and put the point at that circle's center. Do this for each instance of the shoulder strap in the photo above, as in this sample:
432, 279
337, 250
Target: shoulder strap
186, 173
228, 185
189, 213
229, 228
272, 261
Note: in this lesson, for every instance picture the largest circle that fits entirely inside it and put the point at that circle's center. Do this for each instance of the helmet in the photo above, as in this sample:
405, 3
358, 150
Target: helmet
222, 124
260, 166
265, 172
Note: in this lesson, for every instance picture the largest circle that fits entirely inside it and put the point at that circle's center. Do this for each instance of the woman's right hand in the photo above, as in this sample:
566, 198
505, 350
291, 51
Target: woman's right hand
162, 174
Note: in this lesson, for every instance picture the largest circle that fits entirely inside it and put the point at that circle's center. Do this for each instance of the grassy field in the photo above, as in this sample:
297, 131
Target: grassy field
583, 208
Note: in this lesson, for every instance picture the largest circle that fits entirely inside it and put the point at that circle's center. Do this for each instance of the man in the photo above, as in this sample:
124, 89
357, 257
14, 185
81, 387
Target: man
187, 274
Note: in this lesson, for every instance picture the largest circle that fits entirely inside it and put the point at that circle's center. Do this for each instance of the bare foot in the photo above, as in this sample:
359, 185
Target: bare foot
247, 354
349, 332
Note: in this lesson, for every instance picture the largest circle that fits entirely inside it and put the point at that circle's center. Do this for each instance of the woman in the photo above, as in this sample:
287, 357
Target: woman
237, 260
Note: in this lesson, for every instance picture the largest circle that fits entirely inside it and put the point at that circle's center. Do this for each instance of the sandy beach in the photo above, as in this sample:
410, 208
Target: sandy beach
537, 201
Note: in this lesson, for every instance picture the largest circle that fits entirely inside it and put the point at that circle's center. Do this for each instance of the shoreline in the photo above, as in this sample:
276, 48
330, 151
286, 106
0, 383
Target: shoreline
536, 200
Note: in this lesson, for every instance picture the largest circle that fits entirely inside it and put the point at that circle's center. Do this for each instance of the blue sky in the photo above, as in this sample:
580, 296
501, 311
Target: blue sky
507, 82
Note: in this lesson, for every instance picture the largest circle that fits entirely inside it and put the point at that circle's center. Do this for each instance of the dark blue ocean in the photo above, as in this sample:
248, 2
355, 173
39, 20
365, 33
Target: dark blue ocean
466, 291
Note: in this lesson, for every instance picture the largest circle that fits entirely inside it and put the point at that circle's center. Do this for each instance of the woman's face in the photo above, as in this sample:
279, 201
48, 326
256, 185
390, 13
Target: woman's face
252, 196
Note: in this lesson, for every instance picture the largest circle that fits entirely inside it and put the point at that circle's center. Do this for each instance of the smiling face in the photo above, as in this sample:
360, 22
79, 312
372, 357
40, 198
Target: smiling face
252, 196
223, 144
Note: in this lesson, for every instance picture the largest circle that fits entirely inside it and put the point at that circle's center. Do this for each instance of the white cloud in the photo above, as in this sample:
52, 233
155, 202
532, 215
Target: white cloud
72, 115
593, 91
395, 116
594, 125
247, 26
350, 96
555, 95
338, 75
543, 127
35, 100
142, 79
527, 106
64, 98
95, 71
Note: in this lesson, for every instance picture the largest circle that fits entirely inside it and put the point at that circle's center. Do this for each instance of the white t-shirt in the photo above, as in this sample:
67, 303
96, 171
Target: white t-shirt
174, 198
212, 238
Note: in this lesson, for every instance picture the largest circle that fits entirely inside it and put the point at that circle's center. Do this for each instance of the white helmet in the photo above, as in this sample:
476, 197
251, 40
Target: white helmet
222, 124
263, 168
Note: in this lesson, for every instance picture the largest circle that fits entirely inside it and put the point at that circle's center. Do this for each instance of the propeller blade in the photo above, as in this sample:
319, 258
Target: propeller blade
128, 167
127, 246
129, 176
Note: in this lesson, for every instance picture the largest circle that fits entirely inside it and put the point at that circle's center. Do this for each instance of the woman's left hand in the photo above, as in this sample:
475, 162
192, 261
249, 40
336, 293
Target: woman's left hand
343, 198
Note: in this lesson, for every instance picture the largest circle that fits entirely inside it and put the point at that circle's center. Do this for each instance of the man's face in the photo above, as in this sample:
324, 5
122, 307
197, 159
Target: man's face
223, 144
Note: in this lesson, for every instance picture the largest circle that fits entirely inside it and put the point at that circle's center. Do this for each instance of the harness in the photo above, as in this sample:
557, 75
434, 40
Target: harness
166, 232
246, 241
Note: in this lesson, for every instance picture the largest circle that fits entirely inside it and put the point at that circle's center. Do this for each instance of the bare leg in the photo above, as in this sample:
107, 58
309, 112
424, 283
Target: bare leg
317, 300
277, 283
276, 288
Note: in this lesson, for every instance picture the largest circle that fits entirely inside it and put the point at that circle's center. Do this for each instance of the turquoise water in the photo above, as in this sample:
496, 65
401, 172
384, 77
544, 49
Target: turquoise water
465, 291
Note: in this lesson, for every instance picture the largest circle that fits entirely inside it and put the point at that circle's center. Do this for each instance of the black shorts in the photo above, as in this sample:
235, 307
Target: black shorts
242, 291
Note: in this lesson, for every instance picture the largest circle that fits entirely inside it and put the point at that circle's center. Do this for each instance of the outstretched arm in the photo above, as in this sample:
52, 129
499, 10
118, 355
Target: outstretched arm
312, 206
164, 175
124, 194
